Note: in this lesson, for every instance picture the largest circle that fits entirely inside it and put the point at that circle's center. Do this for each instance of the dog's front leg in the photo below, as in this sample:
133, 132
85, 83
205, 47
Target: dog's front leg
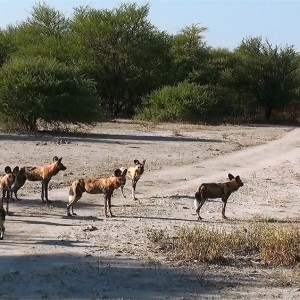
2, 232
105, 205
42, 192
46, 190
7, 205
109, 204
133, 189
224, 200
122, 191
5, 195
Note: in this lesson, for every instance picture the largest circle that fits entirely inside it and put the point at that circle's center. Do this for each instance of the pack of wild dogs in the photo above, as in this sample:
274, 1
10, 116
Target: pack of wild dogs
14, 179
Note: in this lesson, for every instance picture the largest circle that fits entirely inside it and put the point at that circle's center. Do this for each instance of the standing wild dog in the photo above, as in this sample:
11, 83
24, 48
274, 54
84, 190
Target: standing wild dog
6, 183
2, 220
104, 186
43, 174
135, 173
217, 190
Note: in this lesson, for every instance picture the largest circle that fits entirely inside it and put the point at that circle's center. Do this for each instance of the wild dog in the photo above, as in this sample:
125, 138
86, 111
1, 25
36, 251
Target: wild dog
6, 183
2, 220
43, 174
134, 174
104, 186
217, 190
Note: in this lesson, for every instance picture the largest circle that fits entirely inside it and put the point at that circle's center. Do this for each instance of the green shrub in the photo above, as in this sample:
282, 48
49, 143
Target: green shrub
184, 102
33, 88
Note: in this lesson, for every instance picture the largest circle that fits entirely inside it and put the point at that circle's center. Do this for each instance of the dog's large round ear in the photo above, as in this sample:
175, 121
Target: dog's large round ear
144, 161
230, 176
136, 162
55, 158
118, 172
7, 169
16, 169
124, 172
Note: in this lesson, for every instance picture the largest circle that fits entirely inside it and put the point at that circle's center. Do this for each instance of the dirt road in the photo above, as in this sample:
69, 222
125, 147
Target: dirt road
47, 255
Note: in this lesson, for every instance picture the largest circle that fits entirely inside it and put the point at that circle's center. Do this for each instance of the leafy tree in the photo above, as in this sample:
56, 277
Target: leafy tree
7, 45
46, 33
267, 74
42, 88
189, 51
124, 53
218, 61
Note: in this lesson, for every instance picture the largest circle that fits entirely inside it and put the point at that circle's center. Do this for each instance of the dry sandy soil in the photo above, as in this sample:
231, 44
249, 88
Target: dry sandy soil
47, 255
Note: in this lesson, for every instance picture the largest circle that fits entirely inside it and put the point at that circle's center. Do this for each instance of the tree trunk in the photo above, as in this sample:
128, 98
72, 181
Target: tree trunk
268, 112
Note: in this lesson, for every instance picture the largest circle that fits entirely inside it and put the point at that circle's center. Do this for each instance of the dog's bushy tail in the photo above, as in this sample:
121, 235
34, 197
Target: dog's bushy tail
197, 198
199, 195
199, 192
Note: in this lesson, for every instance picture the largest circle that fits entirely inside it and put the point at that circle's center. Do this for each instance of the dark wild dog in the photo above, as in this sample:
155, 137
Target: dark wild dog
135, 173
43, 174
2, 220
217, 190
6, 183
104, 186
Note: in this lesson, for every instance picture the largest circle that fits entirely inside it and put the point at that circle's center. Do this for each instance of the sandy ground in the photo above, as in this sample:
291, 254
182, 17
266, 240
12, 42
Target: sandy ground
47, 255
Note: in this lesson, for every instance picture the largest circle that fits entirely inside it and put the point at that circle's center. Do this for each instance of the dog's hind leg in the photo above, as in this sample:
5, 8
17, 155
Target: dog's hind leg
74, 196
72, 202
198, 204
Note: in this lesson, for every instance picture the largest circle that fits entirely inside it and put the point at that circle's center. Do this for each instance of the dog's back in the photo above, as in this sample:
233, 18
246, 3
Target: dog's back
213, 190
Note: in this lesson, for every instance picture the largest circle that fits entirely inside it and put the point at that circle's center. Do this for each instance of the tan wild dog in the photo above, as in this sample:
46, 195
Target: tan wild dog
104, 186
217, 190
6, 183
135, 173
43, 174
2, 220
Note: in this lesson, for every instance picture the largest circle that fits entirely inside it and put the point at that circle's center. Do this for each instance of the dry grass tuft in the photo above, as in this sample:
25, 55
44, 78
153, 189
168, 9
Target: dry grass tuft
274, 245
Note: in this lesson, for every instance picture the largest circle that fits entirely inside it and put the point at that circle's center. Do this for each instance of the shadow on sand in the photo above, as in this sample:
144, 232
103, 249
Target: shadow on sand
67, 276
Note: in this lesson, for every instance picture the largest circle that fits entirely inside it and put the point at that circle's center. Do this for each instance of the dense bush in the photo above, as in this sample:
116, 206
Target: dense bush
43, 88
183, 102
